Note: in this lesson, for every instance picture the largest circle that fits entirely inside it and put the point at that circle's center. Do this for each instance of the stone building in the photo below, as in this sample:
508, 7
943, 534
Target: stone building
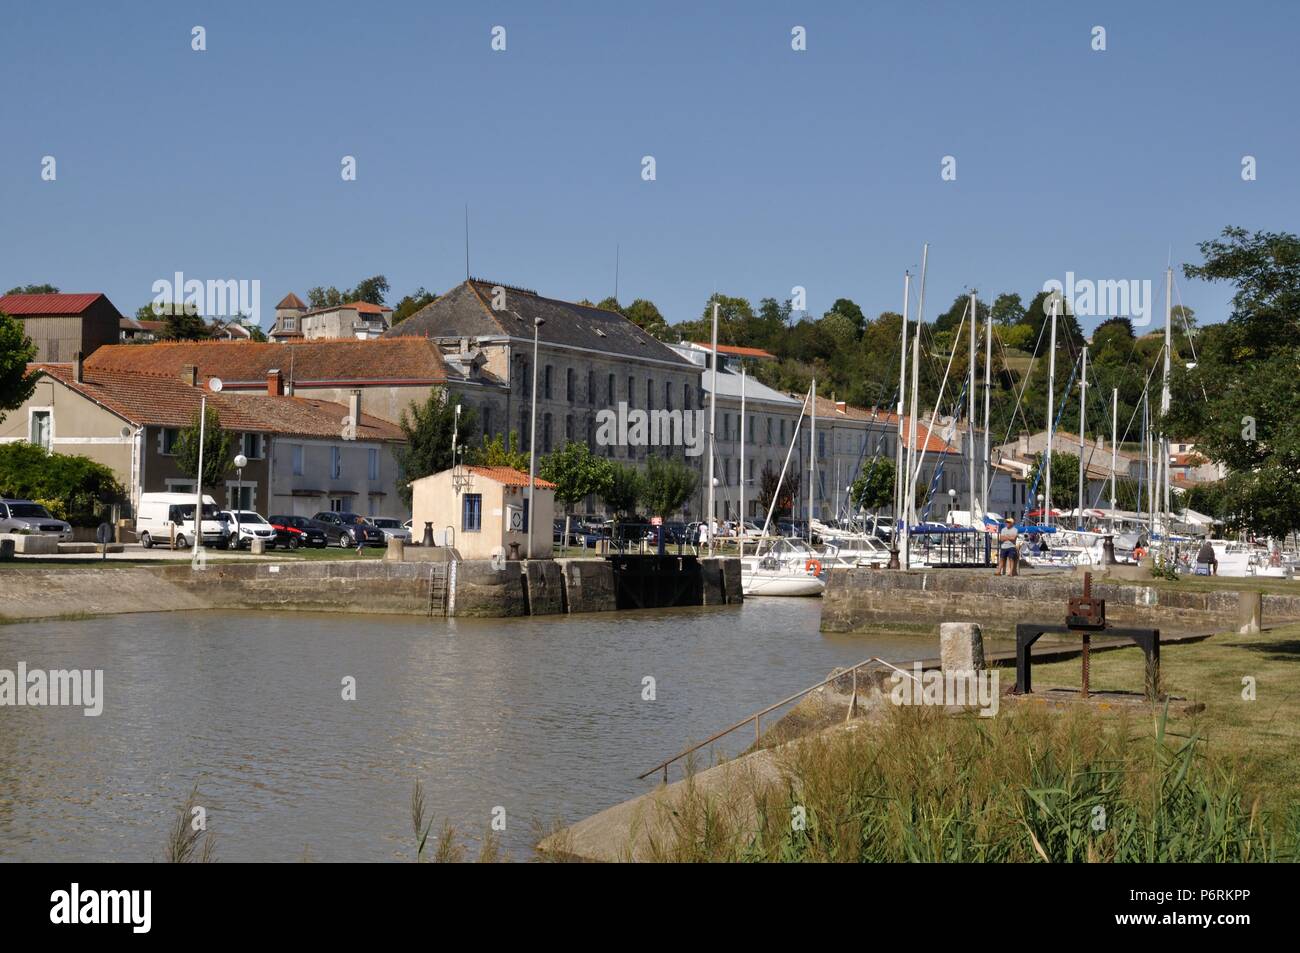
359, 320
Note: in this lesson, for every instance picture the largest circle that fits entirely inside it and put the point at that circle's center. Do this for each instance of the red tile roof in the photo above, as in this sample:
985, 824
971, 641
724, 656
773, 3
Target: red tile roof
244, 364
163, 401
735, 350
927, 440
47, 304
509, 476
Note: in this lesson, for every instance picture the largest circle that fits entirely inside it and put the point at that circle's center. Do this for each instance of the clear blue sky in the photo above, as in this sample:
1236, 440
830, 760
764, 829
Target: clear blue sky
775, 168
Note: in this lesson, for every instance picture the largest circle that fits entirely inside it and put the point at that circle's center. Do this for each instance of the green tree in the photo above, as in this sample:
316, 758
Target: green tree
646, 316
1065, 480
217, 459
577, 474
874, 485
623, 491
500, 452
667, 485
70, 486
428, 429
1008, 310
181, 322
768, 482
412, 303
45, 289
16, 352
849, 309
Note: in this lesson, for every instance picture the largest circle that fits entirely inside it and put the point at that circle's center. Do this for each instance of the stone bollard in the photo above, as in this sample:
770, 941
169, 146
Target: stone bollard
257, 546
6, 550
1249, 612
961, 646
396, 550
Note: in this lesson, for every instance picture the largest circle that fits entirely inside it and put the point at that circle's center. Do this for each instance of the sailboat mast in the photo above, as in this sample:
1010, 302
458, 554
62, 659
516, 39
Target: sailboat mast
1051, 396
713, 419
1083, 422
899, 457
988, 370
970, 422
741, 534
812, 458
909, 503
1114, 451
1164, 393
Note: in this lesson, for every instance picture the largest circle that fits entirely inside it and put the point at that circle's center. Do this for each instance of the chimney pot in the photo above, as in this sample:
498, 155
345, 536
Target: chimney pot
77, 372
190, 374
354, 407
274, 383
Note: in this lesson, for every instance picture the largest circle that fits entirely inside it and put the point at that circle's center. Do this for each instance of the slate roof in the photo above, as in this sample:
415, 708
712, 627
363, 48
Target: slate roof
164, 401
47, 304
291, 301
321, 362
465, 311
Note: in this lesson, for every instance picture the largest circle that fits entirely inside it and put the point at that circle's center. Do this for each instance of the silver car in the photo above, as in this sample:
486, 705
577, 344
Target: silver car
393, 528
24, 516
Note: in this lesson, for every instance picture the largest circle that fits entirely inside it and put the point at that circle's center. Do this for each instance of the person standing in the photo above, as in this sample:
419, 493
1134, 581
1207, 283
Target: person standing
1008, 553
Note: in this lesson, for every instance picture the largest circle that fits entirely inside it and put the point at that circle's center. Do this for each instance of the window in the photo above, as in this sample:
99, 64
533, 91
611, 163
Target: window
546, 383
525, 430
631, 392
686, 396
726, 426
250, 445
372, 462
546, 434
568, 386
526, 383
525, 514
40, 428
568, 429
297, 453
336, 462
471, 513
240, 496
612, 395
591, 387
649, 394
169, 436
750, 438
487, 420
821, 445
291, 324
769, 430
336, 505
668, 395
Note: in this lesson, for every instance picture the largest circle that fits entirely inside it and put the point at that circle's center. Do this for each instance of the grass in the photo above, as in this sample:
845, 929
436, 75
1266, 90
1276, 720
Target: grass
1028, 786
1261, 736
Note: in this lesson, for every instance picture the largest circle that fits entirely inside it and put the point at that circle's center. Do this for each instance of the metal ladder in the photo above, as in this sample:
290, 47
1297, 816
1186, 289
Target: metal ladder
438, 589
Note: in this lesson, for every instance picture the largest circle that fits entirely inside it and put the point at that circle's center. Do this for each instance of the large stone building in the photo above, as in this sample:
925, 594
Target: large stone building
64, 325
358, 320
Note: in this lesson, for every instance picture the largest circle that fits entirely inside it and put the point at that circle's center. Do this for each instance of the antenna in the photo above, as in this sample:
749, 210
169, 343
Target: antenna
467, 241
616, 257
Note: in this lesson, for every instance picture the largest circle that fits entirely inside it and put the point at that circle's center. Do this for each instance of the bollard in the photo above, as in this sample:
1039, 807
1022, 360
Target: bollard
961, 646
396, 550
1249, 612
428, 535
257, 546
6, 550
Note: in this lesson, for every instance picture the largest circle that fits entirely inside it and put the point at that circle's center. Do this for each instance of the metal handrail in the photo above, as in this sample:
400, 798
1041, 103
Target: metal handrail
757, 716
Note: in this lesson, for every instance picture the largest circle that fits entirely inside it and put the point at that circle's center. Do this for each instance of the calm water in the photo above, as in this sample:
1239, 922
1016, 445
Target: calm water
541, 716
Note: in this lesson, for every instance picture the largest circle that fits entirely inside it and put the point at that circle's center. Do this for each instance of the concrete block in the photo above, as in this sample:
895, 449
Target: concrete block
961, 646
32, 545
588, 585
1250, 610
396, 550
256, 547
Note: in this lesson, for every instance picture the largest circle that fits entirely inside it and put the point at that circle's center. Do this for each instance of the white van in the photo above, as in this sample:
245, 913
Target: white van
162, 517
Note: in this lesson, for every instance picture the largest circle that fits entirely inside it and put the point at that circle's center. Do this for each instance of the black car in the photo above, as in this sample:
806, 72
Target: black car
294, 531
350, 529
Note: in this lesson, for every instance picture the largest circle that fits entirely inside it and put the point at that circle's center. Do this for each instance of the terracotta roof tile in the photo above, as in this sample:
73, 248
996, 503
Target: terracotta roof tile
244, 364
509, 476
734, 350
164, 401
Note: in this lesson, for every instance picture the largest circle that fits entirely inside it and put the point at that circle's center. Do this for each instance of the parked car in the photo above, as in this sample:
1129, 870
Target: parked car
294, 531
160, 515
24, 516
349, 530
246, 526
392, 528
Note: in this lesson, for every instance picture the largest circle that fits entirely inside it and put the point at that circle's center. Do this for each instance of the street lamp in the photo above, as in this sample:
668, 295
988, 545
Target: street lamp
241, 461
532, 440
952, 505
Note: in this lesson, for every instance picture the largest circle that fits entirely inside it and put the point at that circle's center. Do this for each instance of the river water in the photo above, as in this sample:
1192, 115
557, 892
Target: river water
543, 717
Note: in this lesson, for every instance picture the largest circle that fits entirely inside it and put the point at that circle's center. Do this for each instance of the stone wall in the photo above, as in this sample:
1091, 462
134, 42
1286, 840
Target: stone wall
856, 598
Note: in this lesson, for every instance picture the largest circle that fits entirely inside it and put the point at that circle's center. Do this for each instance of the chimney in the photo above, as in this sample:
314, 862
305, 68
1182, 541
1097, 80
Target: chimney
1022, 445
841, 406
274, 383
354, 407
77, 374
190, 374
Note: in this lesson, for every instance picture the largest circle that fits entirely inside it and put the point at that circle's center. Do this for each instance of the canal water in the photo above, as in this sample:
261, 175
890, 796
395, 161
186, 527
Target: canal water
543, 717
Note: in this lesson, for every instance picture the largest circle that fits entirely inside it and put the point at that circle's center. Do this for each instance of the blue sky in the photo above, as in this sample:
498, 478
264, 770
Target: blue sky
774, 168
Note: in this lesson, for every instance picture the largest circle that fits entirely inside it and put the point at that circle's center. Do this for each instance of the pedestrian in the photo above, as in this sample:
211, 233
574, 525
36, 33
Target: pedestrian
1207, 563
1008, 554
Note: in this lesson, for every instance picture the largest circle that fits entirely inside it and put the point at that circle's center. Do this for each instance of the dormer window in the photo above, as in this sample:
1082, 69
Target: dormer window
291, 324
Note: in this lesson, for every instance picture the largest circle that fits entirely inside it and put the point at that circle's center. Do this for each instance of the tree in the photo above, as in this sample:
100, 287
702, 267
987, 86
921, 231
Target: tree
181, 322
1008, 310
370, 290
1241, 401
46, 289
428, 429
1065, 480
623, 492
849, 309
16, 352
412, 303
69, 486
767, 491
500, 452
216, 449
576, 474
874, 486
667, 485
646, 316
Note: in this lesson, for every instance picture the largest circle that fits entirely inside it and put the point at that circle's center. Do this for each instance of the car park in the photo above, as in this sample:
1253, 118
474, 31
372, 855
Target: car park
26, 516
246, 526
294, 531
346, 529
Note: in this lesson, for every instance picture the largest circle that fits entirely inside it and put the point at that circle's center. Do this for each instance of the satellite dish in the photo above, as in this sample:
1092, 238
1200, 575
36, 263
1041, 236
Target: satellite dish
215, 385
125, 431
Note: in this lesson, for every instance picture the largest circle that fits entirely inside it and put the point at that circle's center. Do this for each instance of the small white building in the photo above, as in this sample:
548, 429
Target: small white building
487, 511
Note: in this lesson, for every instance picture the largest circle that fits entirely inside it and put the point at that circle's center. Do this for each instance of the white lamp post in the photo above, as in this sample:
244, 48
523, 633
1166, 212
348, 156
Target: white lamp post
532, 440
241, 461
